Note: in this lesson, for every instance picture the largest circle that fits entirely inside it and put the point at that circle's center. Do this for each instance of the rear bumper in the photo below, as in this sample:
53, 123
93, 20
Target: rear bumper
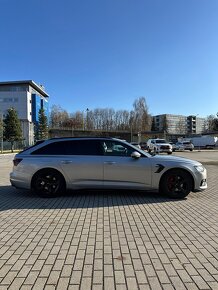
19, 181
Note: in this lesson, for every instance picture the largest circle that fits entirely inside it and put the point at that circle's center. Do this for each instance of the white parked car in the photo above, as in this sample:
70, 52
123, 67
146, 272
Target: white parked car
159, 146
57, 164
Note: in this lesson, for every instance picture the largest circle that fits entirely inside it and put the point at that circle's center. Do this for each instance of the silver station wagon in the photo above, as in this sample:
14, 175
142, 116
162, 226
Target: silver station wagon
55, 165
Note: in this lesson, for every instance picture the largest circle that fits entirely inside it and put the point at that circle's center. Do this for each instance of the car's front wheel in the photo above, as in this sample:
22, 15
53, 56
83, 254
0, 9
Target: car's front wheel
48, 183
176, 183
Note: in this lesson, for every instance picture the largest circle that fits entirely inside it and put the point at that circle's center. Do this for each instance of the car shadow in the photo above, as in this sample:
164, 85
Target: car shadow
12, 198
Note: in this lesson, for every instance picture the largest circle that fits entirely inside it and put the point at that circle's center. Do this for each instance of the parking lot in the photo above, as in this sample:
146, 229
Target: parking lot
109, 239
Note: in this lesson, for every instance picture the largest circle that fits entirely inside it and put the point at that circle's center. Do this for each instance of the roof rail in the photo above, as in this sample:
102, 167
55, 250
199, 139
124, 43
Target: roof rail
82, 137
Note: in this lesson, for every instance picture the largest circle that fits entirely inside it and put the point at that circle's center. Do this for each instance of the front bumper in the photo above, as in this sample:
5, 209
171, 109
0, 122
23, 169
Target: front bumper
200, 181
160, 150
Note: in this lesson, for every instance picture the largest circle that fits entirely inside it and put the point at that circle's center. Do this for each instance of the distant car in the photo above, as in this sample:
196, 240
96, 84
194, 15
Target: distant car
57, 164
159, 146
136, 144
188, 145
143, 145
178, 146
118, 148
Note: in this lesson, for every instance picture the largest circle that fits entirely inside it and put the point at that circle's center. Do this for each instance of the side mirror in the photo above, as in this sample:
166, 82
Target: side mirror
135, 155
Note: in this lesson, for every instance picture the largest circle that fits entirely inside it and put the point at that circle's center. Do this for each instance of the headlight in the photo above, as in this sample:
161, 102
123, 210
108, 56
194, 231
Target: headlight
199, 168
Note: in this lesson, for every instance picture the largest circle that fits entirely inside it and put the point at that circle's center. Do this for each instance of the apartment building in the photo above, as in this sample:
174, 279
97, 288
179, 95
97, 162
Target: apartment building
179, 124
27, 98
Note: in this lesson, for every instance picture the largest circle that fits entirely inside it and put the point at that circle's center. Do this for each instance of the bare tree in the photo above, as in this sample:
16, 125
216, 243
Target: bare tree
141, 118
210, 122
58, 116
104, 118
181, 126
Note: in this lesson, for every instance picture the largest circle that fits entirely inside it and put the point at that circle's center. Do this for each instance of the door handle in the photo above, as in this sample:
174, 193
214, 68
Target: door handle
66, 161
110, 162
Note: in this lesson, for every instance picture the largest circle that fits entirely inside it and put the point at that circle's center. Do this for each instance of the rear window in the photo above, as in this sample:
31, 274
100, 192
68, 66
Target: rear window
30, 147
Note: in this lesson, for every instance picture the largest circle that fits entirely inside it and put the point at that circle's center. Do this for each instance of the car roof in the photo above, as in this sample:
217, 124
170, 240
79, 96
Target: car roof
41, 143
81, 137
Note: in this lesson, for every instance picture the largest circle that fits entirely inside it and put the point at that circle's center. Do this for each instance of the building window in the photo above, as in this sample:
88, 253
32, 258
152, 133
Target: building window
9, 100
17, 89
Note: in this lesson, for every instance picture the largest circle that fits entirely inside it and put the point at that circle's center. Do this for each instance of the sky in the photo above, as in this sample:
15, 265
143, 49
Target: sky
107, 53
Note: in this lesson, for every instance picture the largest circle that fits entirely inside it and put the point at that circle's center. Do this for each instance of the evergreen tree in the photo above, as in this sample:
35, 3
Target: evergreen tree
42, 128
12, 127
215, 123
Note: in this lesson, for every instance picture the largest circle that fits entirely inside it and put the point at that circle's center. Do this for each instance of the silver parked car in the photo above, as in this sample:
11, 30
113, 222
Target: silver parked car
52, 166
178, 146
188, 145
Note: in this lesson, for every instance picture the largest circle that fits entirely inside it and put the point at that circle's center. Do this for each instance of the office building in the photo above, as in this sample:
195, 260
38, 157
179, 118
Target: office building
27, 98
179, 124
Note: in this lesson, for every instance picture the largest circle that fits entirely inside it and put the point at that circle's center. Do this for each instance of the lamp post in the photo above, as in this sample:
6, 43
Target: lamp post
2, 144
87, 111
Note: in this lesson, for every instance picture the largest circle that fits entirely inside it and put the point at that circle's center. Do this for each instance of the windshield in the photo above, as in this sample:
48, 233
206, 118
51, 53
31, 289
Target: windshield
161, 141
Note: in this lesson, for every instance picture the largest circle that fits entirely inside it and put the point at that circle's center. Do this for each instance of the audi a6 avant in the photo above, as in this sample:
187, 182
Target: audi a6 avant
55, 165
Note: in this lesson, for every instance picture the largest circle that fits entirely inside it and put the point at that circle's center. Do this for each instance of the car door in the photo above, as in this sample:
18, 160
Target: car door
121, 170
83, 163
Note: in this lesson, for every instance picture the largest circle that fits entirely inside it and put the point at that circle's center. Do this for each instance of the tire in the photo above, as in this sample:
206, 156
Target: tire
155, 151
149, 150
191, 149
48, 183
169, 153
176, 183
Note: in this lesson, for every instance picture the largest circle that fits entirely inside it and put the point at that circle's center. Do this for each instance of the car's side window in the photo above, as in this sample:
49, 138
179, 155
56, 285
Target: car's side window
113, 148
83, 147
55, 148
71, 147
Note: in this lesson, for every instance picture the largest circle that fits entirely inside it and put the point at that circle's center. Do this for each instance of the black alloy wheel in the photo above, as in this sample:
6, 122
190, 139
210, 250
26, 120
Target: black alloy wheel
48, 183
176, 183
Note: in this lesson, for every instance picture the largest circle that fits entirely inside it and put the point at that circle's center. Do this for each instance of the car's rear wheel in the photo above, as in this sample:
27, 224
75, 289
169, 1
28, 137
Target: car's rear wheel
48, 183
176, 183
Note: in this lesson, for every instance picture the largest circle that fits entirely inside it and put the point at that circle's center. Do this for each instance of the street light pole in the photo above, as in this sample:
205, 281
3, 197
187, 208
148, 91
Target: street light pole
2, 144
87, 111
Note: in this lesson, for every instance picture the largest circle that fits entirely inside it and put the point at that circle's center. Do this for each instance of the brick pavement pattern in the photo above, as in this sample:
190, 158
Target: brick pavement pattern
108, 240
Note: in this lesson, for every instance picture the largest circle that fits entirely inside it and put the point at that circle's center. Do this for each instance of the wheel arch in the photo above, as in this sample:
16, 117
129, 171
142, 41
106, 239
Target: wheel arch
181, 169
45, 169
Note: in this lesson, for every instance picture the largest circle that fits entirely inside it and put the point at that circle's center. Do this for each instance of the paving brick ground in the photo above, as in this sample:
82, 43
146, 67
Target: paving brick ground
108, 240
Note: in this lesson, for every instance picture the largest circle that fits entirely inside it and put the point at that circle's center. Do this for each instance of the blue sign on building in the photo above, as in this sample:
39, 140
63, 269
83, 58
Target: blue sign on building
37, 104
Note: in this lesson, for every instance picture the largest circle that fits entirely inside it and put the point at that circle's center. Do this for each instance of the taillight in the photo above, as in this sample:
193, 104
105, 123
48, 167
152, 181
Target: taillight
16, 161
